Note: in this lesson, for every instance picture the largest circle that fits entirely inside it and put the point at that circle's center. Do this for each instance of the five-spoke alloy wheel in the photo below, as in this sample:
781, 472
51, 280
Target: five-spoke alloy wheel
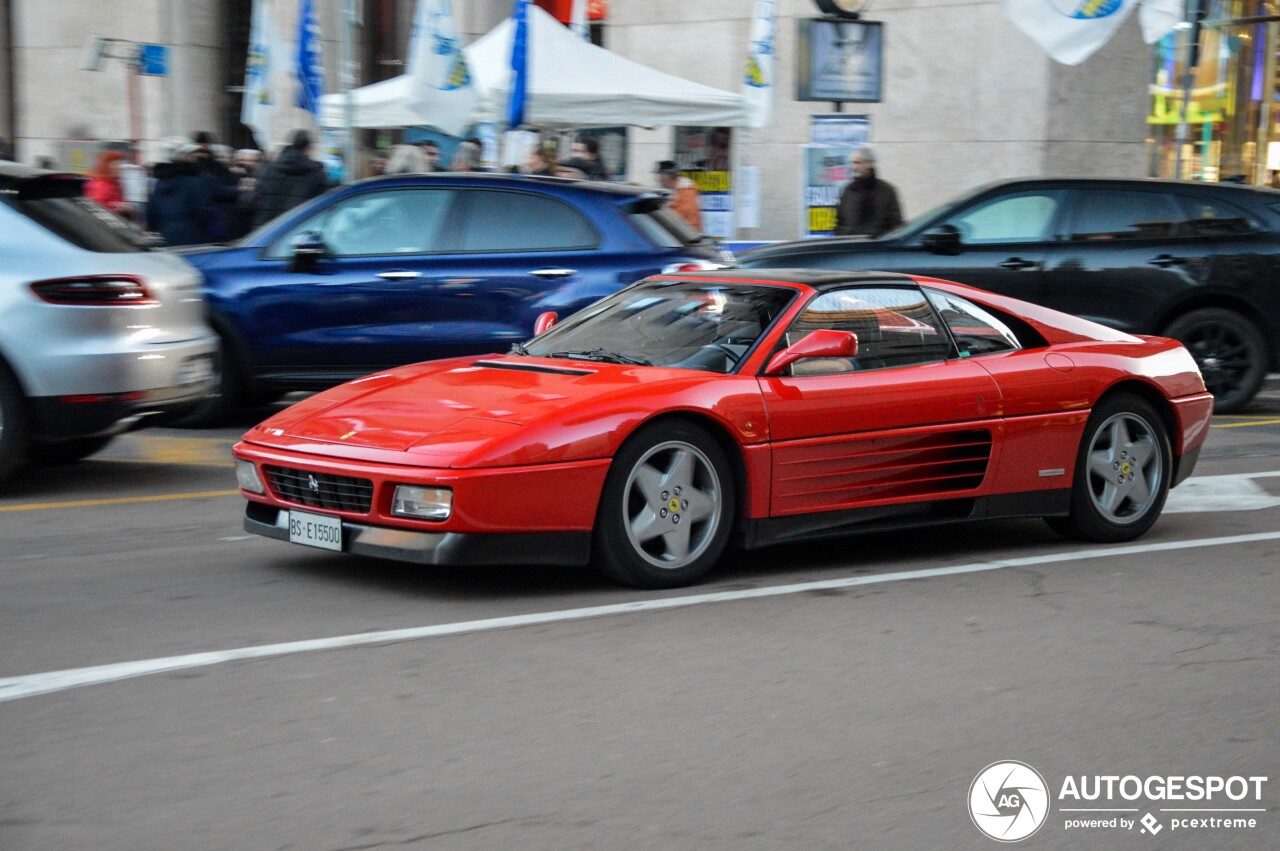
667, 507
1122, 472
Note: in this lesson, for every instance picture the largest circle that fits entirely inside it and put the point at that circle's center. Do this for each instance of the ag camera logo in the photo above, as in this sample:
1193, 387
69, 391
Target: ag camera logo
1008, 801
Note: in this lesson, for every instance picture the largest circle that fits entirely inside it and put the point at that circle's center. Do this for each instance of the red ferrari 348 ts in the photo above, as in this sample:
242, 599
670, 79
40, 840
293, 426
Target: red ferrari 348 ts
687, 411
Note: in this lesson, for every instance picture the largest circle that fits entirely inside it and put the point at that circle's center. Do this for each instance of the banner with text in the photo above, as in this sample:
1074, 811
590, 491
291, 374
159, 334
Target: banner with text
703, 156
826, 171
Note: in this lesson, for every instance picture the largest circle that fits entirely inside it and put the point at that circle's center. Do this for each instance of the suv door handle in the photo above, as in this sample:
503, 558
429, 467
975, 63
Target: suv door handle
399, 275
1017, 264
553, 273
1164, 261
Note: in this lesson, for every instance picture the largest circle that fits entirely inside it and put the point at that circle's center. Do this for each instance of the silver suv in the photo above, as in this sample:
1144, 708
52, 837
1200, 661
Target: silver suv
98, 330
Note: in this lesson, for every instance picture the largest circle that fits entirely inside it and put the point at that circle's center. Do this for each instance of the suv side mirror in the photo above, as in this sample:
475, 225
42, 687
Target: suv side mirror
308, 250
944, 239
823, 343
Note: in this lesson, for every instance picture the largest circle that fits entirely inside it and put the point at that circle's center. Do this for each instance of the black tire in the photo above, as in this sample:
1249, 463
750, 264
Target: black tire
672, 474
1232, 354
1122, 473
228, 396
14, 437
68, 451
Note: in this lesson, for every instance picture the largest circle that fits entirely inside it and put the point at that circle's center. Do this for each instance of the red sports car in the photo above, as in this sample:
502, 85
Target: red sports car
691, 410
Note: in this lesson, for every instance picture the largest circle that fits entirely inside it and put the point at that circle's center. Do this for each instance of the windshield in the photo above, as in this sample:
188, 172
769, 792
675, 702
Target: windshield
919, 221
686, 324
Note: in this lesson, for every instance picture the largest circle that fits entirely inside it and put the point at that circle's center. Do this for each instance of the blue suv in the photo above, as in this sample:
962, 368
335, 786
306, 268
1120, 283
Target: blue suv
395, 270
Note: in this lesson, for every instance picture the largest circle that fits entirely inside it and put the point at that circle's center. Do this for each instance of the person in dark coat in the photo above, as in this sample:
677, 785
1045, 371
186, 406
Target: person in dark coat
868, 205
181, 207
585, 157
293, 177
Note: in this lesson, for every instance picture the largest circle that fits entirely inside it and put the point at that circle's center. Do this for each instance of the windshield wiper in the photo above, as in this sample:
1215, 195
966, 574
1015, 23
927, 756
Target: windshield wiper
601, 354
518, 349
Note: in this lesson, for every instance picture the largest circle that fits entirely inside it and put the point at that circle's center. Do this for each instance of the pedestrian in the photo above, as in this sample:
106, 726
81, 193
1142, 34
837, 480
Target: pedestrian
540, 162
868, 205
406, 159
104, 185
292, 178
685, 199
584, 155
181, 206
466, 157
244, 165
431, 151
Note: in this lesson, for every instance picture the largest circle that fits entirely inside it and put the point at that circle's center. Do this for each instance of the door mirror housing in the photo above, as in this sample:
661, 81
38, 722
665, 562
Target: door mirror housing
308, 250
545, 322
824, 343
943, 239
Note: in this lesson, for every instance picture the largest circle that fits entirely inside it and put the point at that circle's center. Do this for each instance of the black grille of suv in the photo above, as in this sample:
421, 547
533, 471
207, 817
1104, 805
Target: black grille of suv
321, 490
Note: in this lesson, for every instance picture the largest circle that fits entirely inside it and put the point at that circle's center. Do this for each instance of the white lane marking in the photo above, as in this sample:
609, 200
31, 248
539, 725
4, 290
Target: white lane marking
1204, 494
53, 681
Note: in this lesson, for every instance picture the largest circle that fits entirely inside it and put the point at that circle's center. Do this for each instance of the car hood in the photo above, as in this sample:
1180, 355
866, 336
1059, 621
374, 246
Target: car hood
450, 413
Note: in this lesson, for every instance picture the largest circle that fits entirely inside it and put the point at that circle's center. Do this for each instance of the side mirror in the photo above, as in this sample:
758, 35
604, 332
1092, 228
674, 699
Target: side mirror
944, 239
308, 250
818, 344
545, 322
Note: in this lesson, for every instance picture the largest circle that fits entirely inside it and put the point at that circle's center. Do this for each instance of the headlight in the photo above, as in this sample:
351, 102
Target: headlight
247, 476
422, 503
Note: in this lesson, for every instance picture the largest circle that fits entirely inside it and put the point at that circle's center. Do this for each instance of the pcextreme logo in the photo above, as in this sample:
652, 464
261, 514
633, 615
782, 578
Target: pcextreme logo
1009, 801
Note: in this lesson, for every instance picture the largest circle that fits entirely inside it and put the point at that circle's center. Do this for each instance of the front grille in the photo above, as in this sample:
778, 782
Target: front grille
320, 490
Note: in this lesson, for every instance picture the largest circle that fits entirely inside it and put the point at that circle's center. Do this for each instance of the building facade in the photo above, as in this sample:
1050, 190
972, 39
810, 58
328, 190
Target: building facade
967, 98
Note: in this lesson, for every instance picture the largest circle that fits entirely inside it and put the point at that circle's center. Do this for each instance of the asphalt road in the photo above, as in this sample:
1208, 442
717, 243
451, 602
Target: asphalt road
849, 704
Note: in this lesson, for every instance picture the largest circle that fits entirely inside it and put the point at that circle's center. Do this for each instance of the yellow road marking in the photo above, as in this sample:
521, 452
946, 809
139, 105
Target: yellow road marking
186, 451
124, 500
1267, 421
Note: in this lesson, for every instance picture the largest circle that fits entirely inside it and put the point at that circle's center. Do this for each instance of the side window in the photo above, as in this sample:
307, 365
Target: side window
393, 221
895, 327
1017, 218
522, 221
975, 330
1103, 215
1212, 218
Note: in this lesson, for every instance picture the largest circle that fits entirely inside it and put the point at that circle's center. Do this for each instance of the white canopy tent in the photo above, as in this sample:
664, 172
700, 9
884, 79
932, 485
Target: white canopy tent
571, 83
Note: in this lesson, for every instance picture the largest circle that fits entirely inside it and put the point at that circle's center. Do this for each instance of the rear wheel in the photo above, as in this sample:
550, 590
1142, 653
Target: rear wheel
667, 508
1122, 473
1230, 350
68, 451
13, 425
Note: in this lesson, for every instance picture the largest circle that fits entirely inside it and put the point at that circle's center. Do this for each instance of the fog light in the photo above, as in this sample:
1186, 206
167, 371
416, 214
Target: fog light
247, 477
422, 503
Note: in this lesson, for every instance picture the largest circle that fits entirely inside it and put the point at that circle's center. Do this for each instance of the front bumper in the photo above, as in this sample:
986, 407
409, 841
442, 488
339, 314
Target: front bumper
445, 548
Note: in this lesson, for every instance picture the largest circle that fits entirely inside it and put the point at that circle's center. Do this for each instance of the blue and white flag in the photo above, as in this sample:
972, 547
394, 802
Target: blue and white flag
757, 88
578, 20
443, 88
266, 52
309, 65
1071, 30
518, 90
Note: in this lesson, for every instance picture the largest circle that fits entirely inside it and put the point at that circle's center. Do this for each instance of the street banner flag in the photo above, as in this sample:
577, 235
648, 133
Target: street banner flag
309, 65
578, 20
518, 90
1071, 30
757, 89
442, 80
266, 51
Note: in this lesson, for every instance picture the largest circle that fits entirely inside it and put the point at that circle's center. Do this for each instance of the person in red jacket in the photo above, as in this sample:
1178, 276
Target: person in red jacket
104, 183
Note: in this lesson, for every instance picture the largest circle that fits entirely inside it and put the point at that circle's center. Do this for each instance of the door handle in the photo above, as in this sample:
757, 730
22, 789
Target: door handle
553, 273
1164, 261
401, 275
1017, 264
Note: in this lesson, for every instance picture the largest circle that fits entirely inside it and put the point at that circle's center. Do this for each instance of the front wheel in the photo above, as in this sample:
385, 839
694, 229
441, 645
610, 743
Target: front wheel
1122, 473
667, 508
1229, 349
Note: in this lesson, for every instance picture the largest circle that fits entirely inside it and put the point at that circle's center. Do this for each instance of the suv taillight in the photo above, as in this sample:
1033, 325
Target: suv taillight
95, 291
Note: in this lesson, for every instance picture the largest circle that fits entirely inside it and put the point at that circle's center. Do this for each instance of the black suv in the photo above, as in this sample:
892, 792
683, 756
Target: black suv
1194, 261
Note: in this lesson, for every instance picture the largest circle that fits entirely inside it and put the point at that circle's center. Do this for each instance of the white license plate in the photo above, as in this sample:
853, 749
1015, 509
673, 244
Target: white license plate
197, 370
315, 530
